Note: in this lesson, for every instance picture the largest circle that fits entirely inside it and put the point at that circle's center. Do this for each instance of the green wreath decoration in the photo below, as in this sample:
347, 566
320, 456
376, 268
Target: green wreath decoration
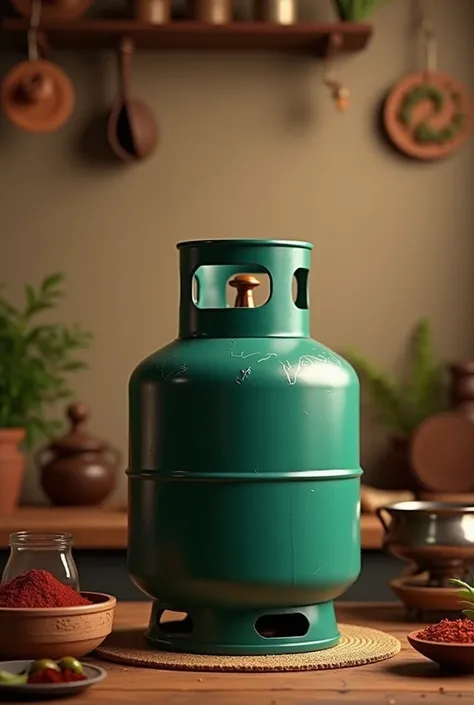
423, 133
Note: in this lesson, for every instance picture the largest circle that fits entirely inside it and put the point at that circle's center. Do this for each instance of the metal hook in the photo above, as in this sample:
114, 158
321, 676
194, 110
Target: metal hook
33, 52
339, 94
431, 48
430, 44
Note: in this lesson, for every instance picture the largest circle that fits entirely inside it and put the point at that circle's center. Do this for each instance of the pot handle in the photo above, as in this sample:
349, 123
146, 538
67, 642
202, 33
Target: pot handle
41, 456
115, 454
383, 520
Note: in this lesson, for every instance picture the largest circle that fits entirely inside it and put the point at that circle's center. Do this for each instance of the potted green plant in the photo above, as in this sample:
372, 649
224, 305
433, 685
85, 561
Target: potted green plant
357, 10
36, 359
400, 406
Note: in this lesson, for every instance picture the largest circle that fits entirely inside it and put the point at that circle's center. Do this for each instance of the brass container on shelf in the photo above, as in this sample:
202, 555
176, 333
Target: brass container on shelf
152, 11
211, 11
283, 12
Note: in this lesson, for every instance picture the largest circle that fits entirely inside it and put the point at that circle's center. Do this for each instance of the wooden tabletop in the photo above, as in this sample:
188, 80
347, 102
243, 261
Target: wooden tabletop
406, 679
97, 528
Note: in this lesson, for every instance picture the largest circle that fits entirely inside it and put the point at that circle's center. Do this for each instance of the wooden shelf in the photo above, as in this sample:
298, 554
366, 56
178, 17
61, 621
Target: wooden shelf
106, 529
93, 528
318, 39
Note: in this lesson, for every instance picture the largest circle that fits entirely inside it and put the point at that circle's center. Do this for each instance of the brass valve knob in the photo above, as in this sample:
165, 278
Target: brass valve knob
244, 283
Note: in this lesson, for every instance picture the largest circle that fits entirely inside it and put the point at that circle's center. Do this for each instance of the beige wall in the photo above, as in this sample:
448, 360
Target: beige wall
393, 240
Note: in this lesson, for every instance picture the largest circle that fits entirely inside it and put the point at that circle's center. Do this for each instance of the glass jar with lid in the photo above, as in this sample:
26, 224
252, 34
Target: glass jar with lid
47, 551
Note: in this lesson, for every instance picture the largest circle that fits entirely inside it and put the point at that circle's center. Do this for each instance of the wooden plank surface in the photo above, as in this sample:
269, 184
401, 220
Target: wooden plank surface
92, 528
96, 528
406, 679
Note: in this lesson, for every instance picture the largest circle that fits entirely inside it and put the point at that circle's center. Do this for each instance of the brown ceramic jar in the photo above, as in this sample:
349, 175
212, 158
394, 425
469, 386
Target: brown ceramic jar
462, 387
78, 469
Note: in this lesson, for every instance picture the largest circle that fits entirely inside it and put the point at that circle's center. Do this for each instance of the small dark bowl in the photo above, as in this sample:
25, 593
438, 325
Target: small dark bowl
46, 691
449, 656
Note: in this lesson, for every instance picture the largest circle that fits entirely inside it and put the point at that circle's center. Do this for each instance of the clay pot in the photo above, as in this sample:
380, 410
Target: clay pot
78, 469
211, 11
395, 471
12, 467
152, 11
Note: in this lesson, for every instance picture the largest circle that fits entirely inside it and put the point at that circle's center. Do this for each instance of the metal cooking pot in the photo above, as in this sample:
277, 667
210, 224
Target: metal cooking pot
437, 536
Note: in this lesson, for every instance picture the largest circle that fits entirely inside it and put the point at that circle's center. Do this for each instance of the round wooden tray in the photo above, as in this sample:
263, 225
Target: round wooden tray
456, 101
417, 596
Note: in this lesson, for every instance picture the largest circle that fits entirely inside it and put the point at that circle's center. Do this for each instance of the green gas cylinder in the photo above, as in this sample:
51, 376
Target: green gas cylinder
244, 462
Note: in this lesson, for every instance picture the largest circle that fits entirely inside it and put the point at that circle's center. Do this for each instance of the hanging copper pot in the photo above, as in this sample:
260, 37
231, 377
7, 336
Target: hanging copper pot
37, 96
132, 131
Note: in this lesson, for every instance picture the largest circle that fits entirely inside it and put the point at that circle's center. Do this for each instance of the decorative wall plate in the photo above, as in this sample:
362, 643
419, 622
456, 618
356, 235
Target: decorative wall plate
442, 453
428, 115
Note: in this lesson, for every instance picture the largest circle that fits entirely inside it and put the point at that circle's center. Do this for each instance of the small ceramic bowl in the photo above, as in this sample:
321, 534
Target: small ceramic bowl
449, 656
35, 691
58, 631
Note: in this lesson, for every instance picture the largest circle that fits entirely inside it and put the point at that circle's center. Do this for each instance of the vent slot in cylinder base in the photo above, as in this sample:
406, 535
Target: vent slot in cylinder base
215, 631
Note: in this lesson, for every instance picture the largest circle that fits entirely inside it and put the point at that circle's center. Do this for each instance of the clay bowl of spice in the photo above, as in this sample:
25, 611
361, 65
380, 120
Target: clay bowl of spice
449, 643
40, 617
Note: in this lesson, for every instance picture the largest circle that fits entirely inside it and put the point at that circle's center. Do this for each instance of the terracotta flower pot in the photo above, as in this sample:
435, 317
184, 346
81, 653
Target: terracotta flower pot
12, 466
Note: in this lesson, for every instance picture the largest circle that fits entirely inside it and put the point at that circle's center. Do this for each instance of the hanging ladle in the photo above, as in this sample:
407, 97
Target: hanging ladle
132, 130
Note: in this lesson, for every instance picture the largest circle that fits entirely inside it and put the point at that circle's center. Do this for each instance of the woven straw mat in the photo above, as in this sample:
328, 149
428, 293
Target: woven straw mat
358, 646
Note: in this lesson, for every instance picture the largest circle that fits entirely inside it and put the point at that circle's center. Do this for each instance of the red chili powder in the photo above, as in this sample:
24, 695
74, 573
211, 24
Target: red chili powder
38, 588
70, 676
49, 675
458, 631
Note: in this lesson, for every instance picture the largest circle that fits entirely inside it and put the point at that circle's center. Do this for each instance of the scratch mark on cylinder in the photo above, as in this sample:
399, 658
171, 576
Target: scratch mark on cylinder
172, 373
267, 357
292, 372
175, 373
244, 356
315, 572
244, 374
163, 365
